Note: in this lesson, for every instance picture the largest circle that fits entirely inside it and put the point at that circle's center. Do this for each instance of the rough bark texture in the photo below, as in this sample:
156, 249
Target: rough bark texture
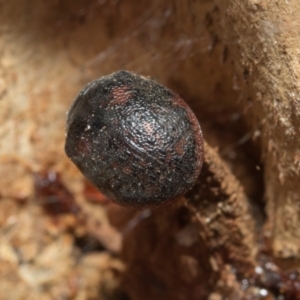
237, 64
268, 35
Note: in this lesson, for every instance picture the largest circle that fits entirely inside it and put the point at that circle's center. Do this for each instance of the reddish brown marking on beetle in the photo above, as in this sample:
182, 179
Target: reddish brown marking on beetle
83, 147
120, 95
142, 162
177, 101
148, 128
194, 122
168, 157
93, 195
127, 170
151, 189
179, 147
115, 165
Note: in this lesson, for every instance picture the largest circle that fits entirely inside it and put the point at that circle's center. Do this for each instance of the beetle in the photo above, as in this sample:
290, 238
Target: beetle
137, 141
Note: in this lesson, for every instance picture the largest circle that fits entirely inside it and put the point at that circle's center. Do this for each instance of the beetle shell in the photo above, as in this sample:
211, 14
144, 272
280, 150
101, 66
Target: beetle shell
135, 140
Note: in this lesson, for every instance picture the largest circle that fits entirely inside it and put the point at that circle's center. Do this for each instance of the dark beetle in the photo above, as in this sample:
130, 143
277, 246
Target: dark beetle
135, 140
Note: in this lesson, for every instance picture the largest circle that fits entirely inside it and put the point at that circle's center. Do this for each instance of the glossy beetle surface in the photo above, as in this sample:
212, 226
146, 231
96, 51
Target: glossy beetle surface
135, 140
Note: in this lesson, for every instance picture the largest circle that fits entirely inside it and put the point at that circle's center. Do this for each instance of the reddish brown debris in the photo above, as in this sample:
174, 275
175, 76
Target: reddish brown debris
53, 195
